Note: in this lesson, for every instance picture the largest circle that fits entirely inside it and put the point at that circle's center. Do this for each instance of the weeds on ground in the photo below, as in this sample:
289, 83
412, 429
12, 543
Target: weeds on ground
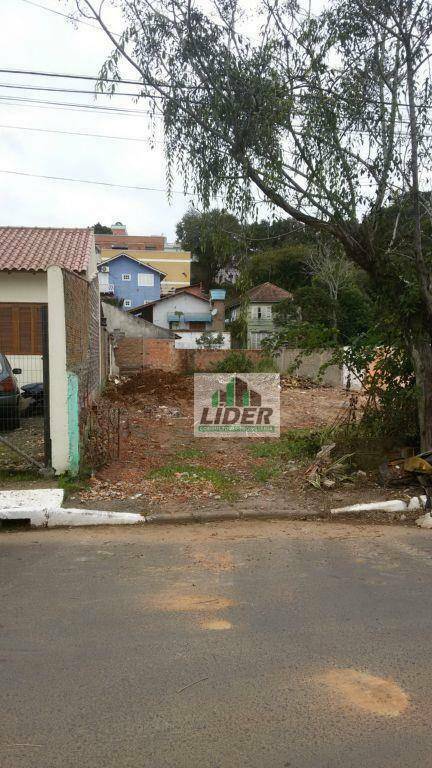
266, 472
19, 475
190, 473
295, 444
189, 453
73, 484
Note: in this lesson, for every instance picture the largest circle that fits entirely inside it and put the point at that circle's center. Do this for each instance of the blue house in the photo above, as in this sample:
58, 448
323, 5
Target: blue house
126, 278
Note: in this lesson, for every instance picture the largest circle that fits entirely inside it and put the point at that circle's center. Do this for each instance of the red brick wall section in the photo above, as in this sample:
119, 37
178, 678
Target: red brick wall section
134, 355
82, 304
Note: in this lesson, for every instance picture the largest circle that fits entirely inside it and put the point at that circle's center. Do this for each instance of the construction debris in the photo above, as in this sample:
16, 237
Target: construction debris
324, 472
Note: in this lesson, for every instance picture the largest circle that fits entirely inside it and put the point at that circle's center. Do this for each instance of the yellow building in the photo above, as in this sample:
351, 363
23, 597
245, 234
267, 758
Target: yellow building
150, 249
175, 264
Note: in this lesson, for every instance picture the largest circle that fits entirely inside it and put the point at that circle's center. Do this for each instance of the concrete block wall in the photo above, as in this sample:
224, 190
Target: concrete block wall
133, 355
310, 366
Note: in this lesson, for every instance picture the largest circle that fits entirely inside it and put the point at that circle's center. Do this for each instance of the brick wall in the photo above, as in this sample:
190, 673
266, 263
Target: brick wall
134, 355
82, 318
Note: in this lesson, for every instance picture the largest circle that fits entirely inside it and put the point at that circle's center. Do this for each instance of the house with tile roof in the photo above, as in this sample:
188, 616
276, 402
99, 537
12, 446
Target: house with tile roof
262, 300
153, 250
189, 312
50, 328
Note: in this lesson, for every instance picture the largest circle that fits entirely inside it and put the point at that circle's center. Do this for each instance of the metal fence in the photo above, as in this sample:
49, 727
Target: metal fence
24, 387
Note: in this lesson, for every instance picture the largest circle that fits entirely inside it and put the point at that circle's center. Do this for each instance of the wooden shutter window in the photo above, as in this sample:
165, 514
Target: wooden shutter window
21, 329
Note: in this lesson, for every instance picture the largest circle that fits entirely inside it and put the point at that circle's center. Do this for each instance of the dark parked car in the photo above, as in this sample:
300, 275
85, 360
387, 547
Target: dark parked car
32, 399
9, 394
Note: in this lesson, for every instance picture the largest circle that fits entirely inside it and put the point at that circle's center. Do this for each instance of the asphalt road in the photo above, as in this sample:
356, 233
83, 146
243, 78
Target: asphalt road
260, 645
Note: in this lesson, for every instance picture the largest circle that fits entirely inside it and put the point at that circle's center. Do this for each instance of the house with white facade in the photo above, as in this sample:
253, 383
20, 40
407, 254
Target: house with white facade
189, 312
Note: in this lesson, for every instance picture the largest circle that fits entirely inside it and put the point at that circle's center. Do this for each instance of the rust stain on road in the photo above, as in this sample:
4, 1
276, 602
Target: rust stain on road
174, 601
217, 625
214, 561
377, 695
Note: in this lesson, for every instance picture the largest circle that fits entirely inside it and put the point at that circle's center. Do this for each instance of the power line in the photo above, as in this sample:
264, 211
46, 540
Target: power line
70, 90
67, 16
37, 73
89, 181
67, 104
122, 111
78, 133
67, 75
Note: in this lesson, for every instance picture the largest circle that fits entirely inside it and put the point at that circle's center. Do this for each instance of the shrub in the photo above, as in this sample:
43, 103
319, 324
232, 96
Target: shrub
234, 362
266, 365
239, 362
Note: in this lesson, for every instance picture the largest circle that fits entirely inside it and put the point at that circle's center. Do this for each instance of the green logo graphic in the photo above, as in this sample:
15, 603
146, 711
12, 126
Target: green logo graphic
237, 393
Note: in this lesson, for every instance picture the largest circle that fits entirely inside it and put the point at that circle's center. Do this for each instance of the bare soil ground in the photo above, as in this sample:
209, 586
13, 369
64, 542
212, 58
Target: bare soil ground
164, 468
29, 437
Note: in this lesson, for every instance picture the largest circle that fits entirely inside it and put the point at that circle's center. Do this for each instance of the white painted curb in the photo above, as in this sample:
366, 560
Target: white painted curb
32, 498
58, 516
396, 505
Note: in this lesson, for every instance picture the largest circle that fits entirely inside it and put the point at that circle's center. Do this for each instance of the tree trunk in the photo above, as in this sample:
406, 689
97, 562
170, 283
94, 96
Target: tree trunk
421, 353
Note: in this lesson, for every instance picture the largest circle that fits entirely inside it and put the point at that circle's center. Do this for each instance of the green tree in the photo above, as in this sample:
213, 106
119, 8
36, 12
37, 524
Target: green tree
326, 117
100, 229
215, 241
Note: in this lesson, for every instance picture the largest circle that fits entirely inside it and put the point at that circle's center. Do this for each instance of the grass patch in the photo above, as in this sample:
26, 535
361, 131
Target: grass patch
267, 472
73, 484
294, 444
20, 475
189, 453
190, 473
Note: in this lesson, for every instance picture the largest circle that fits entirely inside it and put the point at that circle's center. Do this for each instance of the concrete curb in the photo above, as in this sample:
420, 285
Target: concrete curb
222, 516
54, 517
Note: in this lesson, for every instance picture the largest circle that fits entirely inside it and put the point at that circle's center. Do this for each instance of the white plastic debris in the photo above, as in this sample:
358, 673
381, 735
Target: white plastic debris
417, 502
425, 521
385, 506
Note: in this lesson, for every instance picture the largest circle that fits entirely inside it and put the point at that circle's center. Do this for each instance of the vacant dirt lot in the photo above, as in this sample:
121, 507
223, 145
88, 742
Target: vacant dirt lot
163, 467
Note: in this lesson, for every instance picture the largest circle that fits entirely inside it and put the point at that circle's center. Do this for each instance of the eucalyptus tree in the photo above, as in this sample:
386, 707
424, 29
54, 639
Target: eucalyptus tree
323, 116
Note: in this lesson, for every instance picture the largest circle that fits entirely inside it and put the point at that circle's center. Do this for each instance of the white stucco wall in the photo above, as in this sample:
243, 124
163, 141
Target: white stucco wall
59, 421
183, 302
23, 287
92, 265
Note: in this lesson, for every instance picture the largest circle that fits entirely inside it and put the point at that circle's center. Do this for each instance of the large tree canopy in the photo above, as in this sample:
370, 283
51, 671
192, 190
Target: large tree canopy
215, 241
326, 117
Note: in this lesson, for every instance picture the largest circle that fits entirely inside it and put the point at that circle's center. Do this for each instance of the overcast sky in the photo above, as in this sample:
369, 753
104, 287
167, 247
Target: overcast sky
34, 39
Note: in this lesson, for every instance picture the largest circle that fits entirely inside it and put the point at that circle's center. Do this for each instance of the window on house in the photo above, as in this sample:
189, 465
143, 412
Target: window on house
261, 313
127, 303
256, 339
126, 277
150, 247
145, 279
